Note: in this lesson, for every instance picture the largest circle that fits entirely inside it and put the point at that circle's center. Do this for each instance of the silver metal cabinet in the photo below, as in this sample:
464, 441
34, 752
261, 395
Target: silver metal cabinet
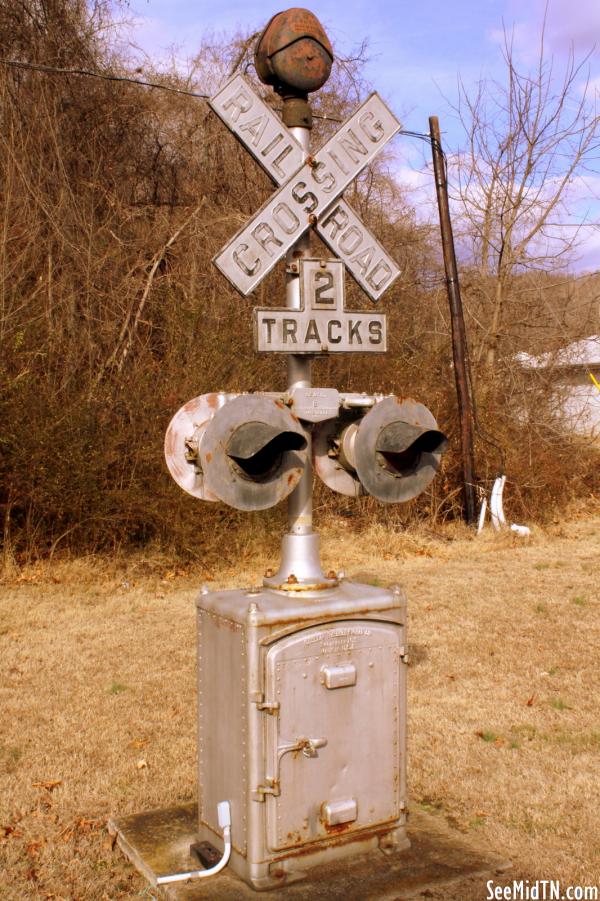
302, 725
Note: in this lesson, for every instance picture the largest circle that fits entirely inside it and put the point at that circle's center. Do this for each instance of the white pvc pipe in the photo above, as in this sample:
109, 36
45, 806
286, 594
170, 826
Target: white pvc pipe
482, 513
524, 531
496, 509
224, 814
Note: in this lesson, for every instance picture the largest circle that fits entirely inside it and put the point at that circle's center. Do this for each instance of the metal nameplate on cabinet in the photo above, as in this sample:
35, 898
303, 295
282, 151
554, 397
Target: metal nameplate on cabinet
339, 676
337, 812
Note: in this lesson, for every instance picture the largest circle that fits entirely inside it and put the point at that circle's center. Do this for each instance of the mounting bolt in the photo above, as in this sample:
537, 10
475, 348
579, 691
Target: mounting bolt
292, 579
268, 573
331, 574
312, 219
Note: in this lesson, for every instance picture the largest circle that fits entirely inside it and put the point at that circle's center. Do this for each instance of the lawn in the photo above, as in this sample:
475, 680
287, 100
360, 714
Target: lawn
97, 699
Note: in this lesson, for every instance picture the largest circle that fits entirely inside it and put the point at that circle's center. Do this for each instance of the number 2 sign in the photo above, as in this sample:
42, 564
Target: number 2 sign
322, 285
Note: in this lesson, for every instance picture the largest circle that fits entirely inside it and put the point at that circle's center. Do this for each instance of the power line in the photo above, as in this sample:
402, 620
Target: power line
89, 73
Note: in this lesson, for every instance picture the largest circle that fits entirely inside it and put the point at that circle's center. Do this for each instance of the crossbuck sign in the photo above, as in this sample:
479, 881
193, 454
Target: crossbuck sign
310, 191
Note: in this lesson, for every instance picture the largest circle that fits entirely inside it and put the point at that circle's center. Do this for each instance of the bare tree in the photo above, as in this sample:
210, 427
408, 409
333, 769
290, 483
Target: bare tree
529, 138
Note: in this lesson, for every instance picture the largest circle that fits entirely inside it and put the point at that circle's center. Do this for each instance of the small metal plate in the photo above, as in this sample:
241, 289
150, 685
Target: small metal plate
336, 812
322, 284
315, 404
262, 242
341, 676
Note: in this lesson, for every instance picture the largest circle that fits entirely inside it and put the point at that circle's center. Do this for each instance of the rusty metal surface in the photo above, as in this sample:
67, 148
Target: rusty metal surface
401, 475
300, 566
318, 744
158, 841
271, 608
327, 440
294, 52
182, 440
253, 452
393, 452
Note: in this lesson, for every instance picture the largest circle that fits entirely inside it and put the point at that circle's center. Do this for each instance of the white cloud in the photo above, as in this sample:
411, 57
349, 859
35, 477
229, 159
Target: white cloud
570, 24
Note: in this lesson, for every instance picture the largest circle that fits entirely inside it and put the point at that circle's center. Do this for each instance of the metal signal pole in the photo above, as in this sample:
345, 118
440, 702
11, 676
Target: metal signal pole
459, 336
299, 367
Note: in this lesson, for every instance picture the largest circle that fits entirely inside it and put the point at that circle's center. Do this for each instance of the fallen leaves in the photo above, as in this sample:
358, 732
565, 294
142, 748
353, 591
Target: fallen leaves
33, 848
490, 737
82, 826
48, 784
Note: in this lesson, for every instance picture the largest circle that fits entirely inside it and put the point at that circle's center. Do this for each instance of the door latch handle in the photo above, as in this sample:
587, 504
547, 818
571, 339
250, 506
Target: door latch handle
308, 746
311, 746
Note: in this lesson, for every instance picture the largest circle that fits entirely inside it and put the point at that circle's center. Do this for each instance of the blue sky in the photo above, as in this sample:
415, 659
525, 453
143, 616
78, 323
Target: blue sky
418, 50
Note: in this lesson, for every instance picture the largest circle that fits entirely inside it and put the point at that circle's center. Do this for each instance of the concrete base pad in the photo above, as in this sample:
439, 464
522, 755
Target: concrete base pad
158, 843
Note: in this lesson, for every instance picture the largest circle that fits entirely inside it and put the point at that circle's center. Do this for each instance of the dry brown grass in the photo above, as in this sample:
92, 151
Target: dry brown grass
98, 700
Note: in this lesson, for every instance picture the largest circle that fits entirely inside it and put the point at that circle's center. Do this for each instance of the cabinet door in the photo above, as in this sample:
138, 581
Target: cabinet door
335, 749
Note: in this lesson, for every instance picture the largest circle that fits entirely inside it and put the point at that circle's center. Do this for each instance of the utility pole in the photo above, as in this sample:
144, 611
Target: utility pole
459, 336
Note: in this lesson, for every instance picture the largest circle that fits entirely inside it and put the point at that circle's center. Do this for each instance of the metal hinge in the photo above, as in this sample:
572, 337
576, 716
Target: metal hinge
271, 788
258, 698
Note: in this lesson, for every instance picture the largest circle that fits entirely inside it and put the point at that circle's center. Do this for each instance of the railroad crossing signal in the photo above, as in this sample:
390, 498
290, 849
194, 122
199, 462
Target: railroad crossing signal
306, 654
310, 191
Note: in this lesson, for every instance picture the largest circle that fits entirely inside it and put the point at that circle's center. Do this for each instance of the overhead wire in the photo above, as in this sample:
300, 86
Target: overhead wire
90, 73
